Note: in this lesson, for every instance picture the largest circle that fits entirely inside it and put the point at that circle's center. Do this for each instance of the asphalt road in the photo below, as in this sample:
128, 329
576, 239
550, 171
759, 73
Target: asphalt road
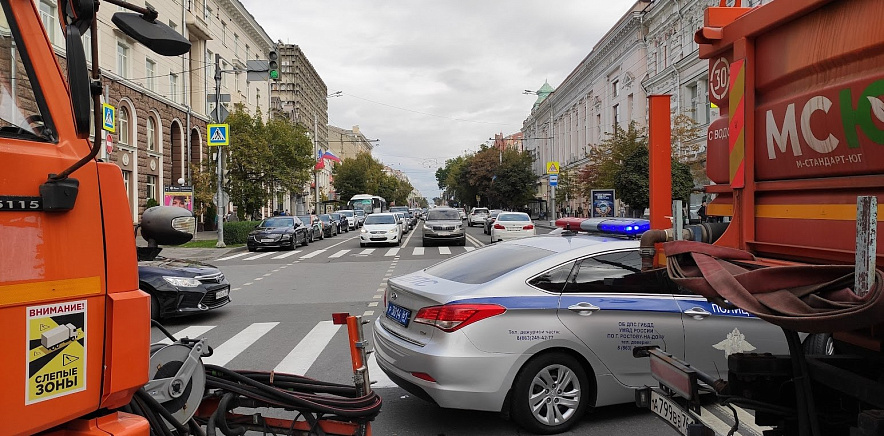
279, 319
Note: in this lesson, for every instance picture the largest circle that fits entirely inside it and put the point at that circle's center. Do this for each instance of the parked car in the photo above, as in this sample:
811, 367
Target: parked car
512, 225
443, 224
180, 287
351, 218
278, 232
341, 220
380, 228
477, 216
329, 226
545, 327
492, 215
314, 226
360, 216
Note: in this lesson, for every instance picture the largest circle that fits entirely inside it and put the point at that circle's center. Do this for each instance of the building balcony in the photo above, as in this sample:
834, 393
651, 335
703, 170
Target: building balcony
197, 28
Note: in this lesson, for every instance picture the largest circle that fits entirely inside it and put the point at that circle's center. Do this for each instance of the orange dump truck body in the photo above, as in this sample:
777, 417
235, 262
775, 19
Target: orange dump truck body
75, 267
800, 89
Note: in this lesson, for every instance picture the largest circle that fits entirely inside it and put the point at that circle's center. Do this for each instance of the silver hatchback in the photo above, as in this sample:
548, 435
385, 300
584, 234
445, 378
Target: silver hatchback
547, 325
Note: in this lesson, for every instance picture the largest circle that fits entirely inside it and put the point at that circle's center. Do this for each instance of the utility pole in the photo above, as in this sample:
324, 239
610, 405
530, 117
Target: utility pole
219, 194
318, 160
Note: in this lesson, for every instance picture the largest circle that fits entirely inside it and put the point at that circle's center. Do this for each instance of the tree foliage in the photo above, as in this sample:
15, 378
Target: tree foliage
633, 185
498, 178
364, 174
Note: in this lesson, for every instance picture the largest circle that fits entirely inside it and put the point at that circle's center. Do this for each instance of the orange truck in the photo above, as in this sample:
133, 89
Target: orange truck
76, 328
797, 161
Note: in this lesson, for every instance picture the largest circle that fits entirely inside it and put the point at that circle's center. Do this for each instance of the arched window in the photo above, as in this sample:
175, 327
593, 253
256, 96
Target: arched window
151, 134
124, 126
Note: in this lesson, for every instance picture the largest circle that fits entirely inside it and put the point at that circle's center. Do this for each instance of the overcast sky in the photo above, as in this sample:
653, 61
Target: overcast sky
433, 79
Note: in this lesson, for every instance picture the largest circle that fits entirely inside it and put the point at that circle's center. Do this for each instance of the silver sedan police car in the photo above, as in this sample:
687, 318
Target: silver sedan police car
543, 328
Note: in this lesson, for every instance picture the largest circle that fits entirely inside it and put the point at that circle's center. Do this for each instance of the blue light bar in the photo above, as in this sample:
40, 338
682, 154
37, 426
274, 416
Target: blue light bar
618, 226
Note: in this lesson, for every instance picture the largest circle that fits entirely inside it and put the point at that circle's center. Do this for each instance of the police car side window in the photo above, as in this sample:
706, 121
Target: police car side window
618, 272
553, 280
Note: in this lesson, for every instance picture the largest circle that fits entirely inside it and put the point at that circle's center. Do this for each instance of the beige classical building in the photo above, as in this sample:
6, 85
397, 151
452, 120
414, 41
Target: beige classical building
161, 102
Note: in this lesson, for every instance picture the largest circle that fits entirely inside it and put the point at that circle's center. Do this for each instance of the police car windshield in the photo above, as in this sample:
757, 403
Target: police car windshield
489, 263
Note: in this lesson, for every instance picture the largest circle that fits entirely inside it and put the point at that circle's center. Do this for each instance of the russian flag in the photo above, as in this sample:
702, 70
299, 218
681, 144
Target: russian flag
328, 155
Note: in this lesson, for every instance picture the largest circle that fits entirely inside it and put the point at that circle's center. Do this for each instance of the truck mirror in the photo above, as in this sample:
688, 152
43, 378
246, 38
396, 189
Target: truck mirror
152, 34
78, 80
167, 225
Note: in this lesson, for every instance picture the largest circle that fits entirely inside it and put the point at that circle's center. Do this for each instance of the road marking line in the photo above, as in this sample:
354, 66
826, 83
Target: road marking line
368, 313
378, 297
378, 378
258, 278
268, 274
192, 332
339, 254
418, 251
285, 255
367, 251
475, 241
268, 253
235, 289
444, 250
233, 256
301, 358
312, 254
373, 304
392, 252
238, 343
469, 248
246, 284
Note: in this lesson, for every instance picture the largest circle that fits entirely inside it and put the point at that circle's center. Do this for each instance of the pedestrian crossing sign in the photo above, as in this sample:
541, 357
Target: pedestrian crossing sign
109, 117
218, 134
552, 167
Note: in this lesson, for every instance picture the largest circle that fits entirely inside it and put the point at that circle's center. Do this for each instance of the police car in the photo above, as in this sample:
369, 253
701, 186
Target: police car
544, 327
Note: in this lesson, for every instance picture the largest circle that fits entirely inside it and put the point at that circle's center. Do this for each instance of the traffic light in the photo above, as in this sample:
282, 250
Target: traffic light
273, 65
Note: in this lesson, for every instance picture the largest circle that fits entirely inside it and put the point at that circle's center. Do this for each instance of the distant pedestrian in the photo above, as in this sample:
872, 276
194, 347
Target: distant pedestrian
580, 211
701, 212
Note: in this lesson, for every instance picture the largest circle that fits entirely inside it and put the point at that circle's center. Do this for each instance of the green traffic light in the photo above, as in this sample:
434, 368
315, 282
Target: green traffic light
274, 74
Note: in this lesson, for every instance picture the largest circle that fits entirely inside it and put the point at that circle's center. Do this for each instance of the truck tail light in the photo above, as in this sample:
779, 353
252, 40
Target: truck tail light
452, 317
499, 226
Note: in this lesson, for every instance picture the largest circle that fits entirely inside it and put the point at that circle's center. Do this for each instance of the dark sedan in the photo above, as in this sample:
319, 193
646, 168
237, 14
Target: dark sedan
329, 226
314, 226
278, 232
341, 219
182, 287
489, 221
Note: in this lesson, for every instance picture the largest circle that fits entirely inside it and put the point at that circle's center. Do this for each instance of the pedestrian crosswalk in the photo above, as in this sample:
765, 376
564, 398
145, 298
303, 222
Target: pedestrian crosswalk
345, 253
299, 360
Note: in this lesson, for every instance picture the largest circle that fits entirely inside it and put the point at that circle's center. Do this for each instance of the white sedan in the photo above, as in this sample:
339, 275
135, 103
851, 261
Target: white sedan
380, 228
512, 225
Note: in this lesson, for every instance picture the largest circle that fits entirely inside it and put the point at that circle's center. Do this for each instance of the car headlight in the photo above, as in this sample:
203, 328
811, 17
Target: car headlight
393, 231
182, 282
286, 237
428, 228
363, 230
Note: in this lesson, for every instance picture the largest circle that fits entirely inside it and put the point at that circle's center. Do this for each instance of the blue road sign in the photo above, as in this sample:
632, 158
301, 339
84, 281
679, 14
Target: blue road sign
108, 117
219, 134
553, 180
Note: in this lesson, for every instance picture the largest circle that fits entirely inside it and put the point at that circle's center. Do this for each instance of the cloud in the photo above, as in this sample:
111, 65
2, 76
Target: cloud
432, 79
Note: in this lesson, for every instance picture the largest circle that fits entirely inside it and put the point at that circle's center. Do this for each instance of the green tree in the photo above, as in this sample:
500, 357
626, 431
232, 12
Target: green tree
607, 158
632, 180
514, 181
362, 174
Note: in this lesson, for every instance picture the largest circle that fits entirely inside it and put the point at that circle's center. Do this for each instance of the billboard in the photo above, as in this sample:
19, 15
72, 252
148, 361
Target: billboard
181, 196
603, 203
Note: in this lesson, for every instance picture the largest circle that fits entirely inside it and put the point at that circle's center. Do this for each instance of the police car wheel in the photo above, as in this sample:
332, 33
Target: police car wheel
550, 393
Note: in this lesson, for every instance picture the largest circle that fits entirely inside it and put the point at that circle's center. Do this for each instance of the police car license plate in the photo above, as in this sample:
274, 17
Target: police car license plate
398, 314
671, 412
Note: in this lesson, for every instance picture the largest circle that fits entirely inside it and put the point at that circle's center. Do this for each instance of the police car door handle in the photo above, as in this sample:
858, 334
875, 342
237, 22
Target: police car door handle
583, 308
697, 313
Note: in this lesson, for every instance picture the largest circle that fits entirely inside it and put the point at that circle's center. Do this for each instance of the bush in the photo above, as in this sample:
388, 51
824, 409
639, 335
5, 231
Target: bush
237, 232
151, 202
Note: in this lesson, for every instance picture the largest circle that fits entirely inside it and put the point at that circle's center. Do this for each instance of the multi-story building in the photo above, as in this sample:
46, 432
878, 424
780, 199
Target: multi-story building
300, 96
161, 104
509, 142
601, 92
347, 144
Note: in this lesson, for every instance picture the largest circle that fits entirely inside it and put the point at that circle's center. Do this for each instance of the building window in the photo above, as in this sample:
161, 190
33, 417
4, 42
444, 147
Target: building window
223, 33
615, 88
124, 126
150, 70
236, 45
122, 59
127, 176
48, 15
208, 15
616, 115
629, 108
151, 187
173, 87
151, 134
87, 46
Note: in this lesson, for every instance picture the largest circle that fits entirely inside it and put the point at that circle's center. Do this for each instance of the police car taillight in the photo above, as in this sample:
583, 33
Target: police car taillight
452, 317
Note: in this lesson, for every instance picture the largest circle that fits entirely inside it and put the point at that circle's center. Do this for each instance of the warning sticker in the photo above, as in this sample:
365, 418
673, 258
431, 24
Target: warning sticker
56, 350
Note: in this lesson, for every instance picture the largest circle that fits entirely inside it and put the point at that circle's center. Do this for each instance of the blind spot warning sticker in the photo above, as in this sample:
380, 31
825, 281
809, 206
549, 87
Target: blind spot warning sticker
56, 350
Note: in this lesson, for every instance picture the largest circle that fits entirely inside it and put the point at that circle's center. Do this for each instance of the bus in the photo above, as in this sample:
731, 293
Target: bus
368, 203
